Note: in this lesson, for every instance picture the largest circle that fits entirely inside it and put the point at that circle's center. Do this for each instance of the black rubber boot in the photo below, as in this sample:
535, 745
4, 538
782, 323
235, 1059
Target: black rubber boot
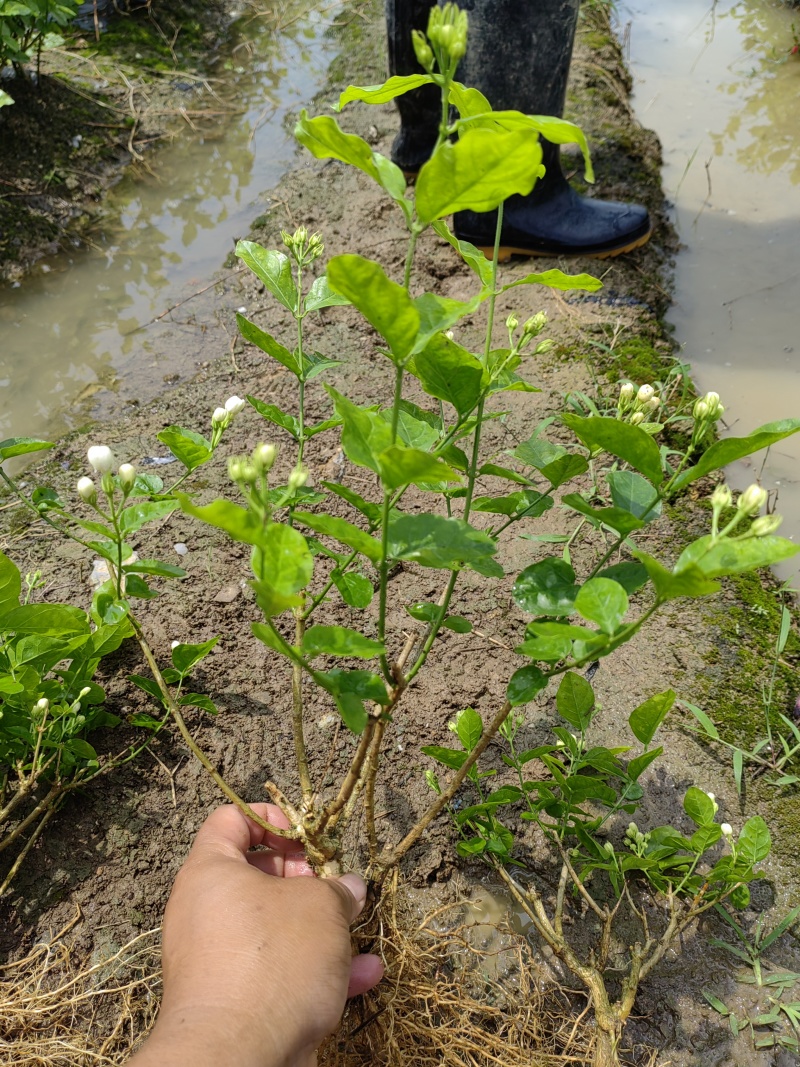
420, 110
518, 56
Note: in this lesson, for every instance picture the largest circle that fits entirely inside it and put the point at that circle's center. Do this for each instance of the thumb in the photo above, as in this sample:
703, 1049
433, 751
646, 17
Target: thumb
352, 892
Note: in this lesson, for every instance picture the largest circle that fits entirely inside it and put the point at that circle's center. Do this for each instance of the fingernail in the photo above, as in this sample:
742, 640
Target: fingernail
357, 888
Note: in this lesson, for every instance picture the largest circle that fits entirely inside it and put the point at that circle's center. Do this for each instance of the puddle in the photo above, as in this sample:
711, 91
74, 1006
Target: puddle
717, 83
67, 331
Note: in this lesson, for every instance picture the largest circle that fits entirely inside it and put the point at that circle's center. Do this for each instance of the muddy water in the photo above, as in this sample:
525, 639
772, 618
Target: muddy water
717, 83
69, 332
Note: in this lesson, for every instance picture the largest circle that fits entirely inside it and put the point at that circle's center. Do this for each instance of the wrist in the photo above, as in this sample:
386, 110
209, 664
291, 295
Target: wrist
183, 1038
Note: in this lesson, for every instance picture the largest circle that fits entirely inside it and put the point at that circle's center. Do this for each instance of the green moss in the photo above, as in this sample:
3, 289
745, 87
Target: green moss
160, 41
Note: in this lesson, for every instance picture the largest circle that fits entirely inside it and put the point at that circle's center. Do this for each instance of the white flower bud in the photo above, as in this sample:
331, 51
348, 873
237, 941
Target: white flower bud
43, 705
700, 410
174, 644
765, 525
84, 692
449, 335
544, 346
609, 848
101, 458
721, 498
264, 456
219, 417
235, 468
536, 323
752, 500
127, 476
637, 417
645, 393
653, 404
512, 322
711, 796
87, 490
727, 829
297, 478
234, 404
627, 392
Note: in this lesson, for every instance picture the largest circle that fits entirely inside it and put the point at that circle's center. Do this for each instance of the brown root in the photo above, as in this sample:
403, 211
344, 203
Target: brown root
56, 1012
449, 999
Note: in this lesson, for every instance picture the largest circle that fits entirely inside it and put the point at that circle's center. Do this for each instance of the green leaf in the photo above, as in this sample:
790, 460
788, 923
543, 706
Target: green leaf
21, 446
149, 686
449, 372
629, 443
604, 602
631, 576
370, 511
546, 588
468, 728
575, 700
556, 279
564, 469
133, 518
185, 656
364, 433
633, 493
283, 560
355, 589
267, 343
493, 470
199, 700
192, 449
320, 295
156, 567
383, 303
363, 684
238, 522
383, 93
754, 842
47, 619
449, 757
549, 649
715, 560
436, 541
528, 502
740, 897
10, 584
703, 839
471, 255
726, 451
82, 749
354, 714
273, 414
525, 684
410, 466
622, 522
639, 764
458, 624
339, 641
690, 582
439, 313
698, 806
646, 719
267, 636
273, 268
477, 173
138, 587
343, 531
423, 612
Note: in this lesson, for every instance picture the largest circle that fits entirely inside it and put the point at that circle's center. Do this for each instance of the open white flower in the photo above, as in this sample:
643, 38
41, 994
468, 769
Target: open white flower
101, 458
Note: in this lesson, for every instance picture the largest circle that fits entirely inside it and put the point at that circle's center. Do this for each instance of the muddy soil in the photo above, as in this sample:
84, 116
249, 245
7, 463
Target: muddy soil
114, 850
96, 107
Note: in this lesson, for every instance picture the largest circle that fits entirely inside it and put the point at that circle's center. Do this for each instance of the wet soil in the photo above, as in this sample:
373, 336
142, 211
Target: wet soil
95, 107
114, 850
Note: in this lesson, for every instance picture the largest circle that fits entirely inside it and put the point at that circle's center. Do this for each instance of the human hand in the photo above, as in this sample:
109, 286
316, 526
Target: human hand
256, 951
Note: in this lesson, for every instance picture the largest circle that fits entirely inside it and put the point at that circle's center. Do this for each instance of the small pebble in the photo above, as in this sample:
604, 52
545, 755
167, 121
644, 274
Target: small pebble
181, 548
227, 594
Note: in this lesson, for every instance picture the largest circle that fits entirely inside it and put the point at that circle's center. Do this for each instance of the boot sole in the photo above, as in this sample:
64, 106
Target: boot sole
505, 252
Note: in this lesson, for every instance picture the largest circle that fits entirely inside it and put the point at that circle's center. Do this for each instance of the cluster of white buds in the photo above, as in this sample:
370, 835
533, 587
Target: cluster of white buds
635, 840
303, 246
752, 500
447, 31
708, 408
422, 50
246, 470
748, 505
222, 417
102, 459
640, 405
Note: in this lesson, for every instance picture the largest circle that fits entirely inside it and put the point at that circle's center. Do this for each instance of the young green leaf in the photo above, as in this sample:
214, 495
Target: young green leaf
468, 728
525, 684
646, 719
339, 641
631, 492
382, 94
192, 449
273, 414
133, 518
449, 372
384, 304
22, 446
458, 624
556, 279
320, 295
629, 443
436, 541
477, 173
604, 602
729, 449
723, 557
410, 466
274, 269
239, 523
618, 519
199, 700
267, 343
10, 584
355, 590
754, 842
46, 619
471, 255
690, 582
575, 700
186, 656
343, 531
449, 757
698, 806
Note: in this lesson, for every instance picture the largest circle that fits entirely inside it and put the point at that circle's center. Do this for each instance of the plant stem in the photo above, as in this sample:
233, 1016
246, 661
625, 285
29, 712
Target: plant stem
383, 568
176, 714
300, 754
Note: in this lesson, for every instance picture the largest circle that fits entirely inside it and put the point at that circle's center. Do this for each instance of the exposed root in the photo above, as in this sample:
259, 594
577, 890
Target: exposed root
447, 1002
57, 1013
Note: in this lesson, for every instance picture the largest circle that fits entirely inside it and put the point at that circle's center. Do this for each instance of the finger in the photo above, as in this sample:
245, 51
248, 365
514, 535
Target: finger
228, 830
365, 972
272, 863
296, 865
352, 892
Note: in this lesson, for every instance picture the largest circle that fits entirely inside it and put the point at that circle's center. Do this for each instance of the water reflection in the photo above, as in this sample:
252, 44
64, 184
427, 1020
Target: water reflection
765, 81
69, 330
